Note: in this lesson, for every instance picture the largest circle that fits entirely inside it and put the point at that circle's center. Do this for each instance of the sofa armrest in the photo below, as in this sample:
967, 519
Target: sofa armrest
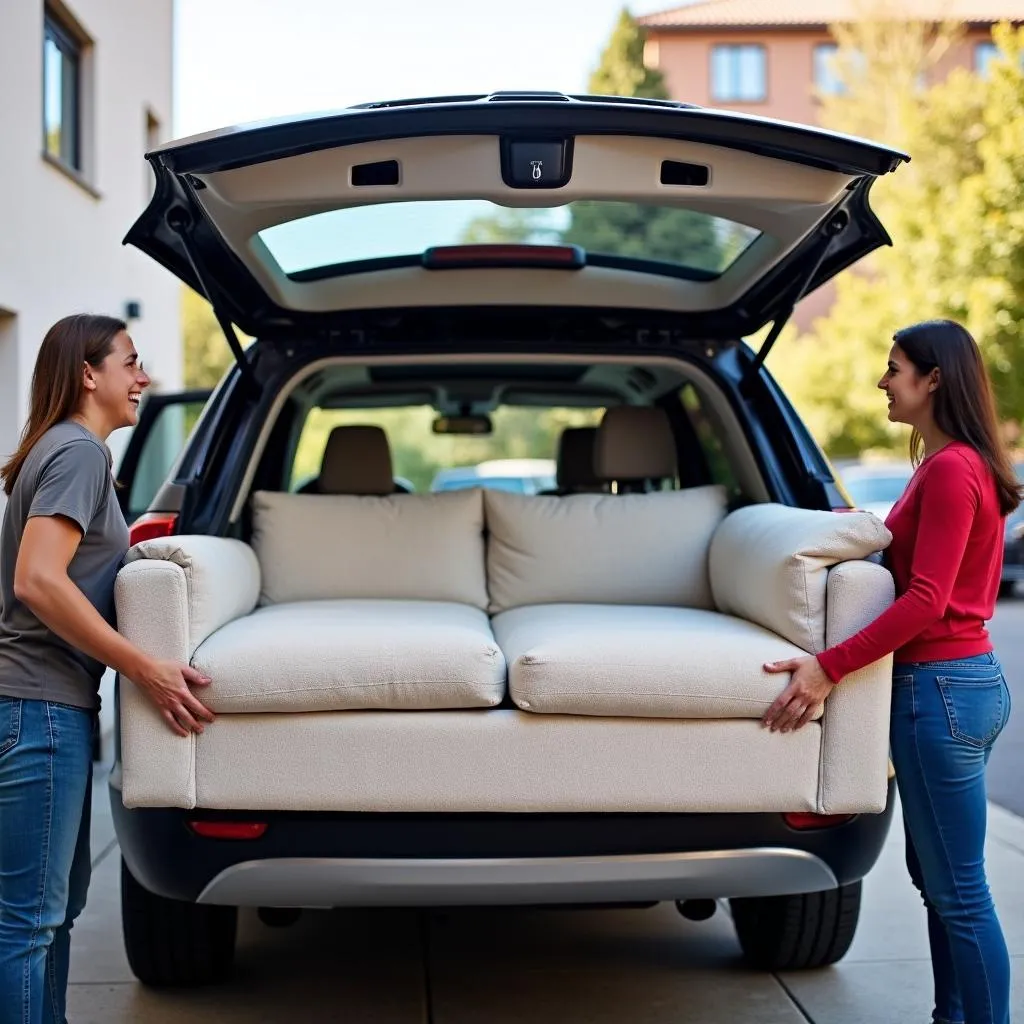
222, 579
770, 564
853, 772
170, 596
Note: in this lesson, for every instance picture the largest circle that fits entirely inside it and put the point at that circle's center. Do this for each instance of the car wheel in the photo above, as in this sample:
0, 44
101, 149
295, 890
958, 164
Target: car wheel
1006, 588
786, 933
171, 943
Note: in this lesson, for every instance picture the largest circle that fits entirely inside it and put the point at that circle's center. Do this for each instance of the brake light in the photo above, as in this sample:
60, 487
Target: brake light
805, 821
559, 257
151, 525
228, 829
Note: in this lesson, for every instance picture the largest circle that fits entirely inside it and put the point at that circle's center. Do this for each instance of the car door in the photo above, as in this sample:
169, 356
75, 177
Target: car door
165, 422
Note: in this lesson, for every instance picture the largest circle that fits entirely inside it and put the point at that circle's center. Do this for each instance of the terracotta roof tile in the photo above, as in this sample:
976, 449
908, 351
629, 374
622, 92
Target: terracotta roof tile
738, 13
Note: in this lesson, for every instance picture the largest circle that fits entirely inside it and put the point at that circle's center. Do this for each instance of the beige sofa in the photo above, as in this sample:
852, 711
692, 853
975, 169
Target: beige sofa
484, 651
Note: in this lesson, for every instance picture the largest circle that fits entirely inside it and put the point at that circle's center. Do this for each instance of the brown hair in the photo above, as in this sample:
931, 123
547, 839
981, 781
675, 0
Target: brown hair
965, 408
57, 386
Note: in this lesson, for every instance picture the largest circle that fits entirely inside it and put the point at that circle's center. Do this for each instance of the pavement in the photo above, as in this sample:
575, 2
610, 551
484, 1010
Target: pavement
512, 966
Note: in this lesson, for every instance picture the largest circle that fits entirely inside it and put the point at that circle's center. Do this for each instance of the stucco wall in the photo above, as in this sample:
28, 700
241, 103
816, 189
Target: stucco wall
60, 240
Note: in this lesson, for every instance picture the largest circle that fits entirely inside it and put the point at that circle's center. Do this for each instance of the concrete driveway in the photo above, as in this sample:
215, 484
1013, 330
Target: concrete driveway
533, 967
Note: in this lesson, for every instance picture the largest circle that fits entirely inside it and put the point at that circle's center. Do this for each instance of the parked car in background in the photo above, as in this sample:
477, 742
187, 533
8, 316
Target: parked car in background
520, 476
877, 486
1013, 547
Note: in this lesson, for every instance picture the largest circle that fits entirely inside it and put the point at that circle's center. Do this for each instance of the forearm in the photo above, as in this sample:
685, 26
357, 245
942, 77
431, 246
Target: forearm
65, 610
907, 618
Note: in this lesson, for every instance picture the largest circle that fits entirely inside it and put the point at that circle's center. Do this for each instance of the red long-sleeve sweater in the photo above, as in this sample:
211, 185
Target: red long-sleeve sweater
946, 560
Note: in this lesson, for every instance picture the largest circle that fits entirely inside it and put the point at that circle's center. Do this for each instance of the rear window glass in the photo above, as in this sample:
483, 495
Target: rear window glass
518, 456
687, 239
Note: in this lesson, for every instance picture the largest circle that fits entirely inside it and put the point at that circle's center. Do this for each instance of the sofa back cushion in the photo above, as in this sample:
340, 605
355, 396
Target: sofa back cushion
416, 547
640, 549
769, 564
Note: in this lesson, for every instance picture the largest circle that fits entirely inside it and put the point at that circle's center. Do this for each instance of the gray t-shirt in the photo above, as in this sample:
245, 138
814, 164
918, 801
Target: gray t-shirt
67, 473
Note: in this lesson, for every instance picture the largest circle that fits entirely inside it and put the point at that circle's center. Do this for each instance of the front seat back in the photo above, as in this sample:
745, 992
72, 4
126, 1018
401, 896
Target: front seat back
635, 448
357, 460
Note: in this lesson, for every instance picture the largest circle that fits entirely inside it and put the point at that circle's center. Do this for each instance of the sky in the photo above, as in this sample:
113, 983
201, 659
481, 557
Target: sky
238, 61
246, 60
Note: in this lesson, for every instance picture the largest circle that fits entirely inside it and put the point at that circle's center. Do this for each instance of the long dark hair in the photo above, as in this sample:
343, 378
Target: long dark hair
57, 385
965, 408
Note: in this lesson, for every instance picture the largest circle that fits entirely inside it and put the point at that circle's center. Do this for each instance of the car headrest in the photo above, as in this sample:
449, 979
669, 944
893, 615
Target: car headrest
357, 460
576, 459
635, 443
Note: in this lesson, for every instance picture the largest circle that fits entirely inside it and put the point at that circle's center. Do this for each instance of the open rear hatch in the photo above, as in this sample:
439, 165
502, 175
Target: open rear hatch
727, 218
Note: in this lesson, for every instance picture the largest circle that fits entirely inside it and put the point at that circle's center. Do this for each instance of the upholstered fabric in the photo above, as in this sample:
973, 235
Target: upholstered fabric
855, 726
152, 613
497, 761
636, 661
647, 549
769, 564
337, 655
357, 460
635, 443
415, 547
221, 576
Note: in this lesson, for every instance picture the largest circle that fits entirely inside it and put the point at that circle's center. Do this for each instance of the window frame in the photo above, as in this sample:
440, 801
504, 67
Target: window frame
736, 50
69, 45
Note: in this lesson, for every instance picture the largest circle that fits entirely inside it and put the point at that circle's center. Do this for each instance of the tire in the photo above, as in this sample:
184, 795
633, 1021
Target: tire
174, 944
791, 933
1006, 588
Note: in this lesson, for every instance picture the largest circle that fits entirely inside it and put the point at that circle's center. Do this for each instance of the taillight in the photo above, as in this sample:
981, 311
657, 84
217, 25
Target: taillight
228, 829
152, 524
805, 821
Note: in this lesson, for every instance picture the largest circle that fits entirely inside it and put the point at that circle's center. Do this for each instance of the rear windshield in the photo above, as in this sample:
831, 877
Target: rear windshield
684, 239
518, 455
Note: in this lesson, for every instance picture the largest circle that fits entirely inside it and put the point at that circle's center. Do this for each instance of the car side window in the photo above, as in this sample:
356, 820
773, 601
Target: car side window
710, 439
163, 443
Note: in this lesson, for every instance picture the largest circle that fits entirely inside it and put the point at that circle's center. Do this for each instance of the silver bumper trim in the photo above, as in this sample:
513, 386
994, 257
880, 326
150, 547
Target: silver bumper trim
339, 882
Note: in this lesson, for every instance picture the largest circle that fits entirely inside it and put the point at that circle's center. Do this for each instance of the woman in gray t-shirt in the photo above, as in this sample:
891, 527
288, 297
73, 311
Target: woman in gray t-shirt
62, 543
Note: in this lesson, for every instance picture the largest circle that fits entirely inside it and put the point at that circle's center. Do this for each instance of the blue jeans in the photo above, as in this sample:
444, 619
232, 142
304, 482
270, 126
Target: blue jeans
946, 715
45, 796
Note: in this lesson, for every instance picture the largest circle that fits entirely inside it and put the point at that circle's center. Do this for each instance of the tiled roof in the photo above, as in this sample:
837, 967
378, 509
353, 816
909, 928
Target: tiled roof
764, 13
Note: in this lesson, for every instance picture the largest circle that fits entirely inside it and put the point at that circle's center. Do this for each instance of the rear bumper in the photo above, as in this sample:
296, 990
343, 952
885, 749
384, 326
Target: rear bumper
333, 882
319, 860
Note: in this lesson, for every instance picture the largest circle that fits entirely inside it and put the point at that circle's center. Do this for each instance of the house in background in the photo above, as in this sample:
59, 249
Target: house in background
772, 57
86, 88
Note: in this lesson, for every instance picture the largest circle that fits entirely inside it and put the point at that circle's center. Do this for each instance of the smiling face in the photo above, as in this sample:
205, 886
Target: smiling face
114, 388
910, 392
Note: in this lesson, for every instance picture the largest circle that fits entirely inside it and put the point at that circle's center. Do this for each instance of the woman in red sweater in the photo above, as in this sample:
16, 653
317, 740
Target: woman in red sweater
950, 699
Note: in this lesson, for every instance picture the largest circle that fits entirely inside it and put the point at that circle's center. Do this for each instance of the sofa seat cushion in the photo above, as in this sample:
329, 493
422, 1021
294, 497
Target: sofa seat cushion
634, 661
346, 655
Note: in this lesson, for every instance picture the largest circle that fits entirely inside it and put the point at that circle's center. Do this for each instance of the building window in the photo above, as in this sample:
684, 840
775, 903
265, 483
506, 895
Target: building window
62, 93
826, 77
739, 73
984, 54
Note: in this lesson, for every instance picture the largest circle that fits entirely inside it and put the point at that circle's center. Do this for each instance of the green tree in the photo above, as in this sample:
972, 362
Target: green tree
206, 352
621, 71
956, 216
